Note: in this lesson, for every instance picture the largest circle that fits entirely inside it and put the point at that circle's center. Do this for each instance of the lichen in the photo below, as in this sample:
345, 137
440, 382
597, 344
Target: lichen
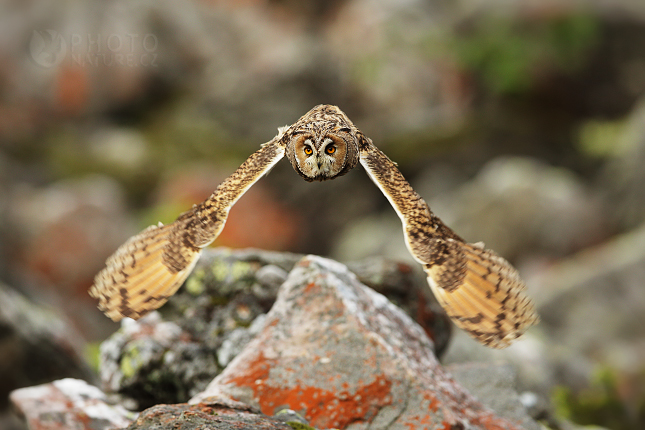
127, 368
195, 283
295, 425
129, 361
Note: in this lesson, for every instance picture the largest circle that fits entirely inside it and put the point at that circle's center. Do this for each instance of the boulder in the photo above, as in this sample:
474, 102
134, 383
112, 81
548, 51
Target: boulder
36, 345
171, 355
343, 356
68, 404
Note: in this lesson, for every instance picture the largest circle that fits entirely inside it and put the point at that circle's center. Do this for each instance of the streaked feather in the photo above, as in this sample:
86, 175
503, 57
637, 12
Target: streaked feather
135, 279
480, 291
490, 303
150, 267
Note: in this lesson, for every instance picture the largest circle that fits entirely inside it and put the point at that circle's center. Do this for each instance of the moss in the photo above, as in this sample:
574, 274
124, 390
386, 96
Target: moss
129, 362
195, 283
229, 276
295, 425
240, 269
127, 367
601, 404
219, 270
92, 355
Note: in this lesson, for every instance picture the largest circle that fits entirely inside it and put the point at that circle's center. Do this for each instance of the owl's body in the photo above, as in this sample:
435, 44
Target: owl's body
479, 290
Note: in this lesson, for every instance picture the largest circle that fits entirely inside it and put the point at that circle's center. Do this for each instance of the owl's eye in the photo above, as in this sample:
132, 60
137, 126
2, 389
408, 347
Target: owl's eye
330, 149
308, 150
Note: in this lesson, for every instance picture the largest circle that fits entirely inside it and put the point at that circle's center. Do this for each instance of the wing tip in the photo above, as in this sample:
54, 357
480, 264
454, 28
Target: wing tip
490, 303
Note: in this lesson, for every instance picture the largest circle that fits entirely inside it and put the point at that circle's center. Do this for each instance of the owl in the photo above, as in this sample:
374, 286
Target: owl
480, 291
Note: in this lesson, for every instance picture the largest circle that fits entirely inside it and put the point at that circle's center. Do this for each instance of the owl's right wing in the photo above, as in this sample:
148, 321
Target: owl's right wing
480, 291
151, 266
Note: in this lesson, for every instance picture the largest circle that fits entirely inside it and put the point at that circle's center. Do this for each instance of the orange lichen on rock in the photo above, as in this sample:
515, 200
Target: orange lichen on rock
342, 356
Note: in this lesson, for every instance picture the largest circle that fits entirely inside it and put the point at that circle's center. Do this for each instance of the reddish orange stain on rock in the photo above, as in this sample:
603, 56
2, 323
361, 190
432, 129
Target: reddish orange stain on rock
323, 408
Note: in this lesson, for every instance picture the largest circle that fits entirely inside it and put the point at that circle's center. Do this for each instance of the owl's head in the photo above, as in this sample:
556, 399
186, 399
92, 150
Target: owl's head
323, 144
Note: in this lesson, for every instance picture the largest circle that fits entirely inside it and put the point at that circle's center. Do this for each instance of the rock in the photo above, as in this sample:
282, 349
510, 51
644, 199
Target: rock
36, 345
290, 416
213, 416
521, 207
62, 235
171, 355
73, 404
68, 404
343, 356
591, 340
623, 176
406, 286
151, 361
237, 340
593, 314
331, 352
495, 386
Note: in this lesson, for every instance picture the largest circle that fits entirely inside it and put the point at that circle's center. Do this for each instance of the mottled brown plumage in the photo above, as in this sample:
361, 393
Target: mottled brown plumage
150, 267
479, 290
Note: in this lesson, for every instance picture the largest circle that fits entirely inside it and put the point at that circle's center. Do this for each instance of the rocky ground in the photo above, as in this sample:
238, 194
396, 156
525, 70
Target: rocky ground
284, 332
278, 340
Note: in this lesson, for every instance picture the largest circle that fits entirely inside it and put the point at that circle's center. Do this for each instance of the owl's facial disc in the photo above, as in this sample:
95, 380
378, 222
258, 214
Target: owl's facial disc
322, 153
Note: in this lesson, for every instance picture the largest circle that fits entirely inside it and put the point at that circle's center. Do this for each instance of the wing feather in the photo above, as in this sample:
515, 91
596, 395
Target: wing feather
150, 267
480, 291
491, 302
135, 279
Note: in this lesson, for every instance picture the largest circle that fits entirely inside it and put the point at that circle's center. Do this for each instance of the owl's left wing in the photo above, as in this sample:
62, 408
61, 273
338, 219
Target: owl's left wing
151, 266
480, 291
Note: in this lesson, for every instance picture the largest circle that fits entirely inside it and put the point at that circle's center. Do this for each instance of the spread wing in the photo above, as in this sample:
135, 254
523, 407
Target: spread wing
151, 266
480, 291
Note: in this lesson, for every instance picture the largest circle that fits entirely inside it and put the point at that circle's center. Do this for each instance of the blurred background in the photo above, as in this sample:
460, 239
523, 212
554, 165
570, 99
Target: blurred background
521, 123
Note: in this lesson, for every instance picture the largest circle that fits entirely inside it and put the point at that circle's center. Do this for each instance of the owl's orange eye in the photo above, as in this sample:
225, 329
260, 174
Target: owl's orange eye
308, 150
330, 149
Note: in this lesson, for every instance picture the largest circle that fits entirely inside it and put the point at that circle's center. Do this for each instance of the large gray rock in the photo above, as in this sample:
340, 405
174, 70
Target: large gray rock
591, 339
171, 355
343, 356
623, 176
495, 385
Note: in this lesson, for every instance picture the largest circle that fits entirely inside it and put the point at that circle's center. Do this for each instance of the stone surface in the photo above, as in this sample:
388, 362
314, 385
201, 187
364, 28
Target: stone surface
520, 207
593, 313
36, 345
171, 355
68, 404
495, 385
343, 356
623, 176
330, 353
61, 234
212, 416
